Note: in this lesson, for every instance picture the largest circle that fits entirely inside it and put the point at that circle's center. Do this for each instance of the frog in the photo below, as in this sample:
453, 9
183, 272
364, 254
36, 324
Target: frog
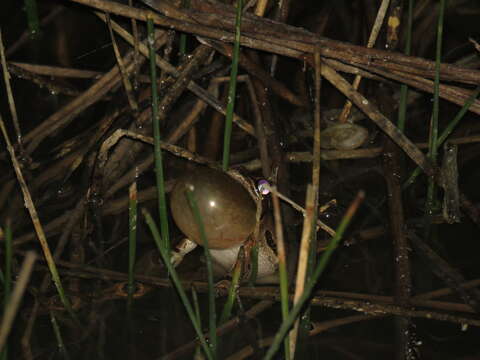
336, 135
229, 207
346, 135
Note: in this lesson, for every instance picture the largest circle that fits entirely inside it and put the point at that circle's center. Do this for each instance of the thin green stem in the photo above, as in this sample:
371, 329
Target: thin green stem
446, 133
196, 307
32, 17
58, 336
212, 316
232, 293
433, 139
254, 265
164, 253
183, 37
232, 88
309, 286
162, 203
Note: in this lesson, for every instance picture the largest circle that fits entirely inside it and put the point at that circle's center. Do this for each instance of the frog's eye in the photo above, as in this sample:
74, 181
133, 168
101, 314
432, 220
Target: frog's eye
263, 187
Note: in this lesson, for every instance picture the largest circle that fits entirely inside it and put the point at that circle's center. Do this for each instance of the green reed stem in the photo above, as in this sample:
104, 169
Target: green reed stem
162, 203
254, 263
446, 133
196, 307
402, 109
232, 87
164, 252
232, 293
309, 286
32, 17
58, 336
433, 138
212, 316
183, 37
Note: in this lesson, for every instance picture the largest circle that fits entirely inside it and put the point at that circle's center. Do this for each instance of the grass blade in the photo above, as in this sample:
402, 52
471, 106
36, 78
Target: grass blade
212, 316
32, 17
16, 298
162, 202
232, 88
164, 253
309, 286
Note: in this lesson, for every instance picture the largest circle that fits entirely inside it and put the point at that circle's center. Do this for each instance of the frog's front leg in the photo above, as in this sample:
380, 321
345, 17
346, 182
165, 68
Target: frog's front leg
183, 248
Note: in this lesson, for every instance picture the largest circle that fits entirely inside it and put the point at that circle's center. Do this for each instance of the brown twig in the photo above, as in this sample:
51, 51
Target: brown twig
192, 86
268, 293
123, 71
279, 38
371, 41
230, 325
446, 272
401, 253
16, 297
11, 100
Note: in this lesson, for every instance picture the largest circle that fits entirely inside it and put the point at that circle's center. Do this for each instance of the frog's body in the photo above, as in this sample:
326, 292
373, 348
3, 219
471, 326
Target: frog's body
225, 259
229, 215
